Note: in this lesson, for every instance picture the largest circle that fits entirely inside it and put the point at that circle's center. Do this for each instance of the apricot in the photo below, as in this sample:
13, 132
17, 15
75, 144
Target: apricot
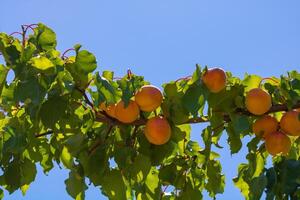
278, 142
158, 130
148, 98
264, 126
110, 109
258, 101
214, 79
290, 123
127, 114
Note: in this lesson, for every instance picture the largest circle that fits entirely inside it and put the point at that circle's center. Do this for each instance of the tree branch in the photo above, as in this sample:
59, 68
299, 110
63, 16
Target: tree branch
195, 120
44, 134
87, 100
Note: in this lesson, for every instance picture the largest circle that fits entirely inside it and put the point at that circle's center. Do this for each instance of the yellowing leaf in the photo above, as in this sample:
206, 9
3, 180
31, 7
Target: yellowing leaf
66, 158
41, 63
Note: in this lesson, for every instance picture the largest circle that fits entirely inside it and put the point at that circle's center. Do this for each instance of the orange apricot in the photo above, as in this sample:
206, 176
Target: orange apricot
158, 130
258, 101
148, 98
278, 142
127, 114
214, 79
110, 109
264, 126
290, 123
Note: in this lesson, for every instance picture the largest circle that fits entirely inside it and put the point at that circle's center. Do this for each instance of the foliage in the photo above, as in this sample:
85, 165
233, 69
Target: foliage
50, 114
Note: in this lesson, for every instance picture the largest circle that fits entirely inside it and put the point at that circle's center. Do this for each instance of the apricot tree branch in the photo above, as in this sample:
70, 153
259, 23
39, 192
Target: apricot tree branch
44, 134
87, 100
196, 120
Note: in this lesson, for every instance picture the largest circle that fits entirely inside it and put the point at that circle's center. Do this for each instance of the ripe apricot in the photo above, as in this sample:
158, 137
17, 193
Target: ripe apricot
127, 114
158, 130
264, 126
278, 142
290, 123
148, 98
258, 101
110, 109
214, 79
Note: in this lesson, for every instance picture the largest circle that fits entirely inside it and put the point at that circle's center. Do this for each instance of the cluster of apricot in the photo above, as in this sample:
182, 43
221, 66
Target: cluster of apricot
147, 99
258, 102
276, 134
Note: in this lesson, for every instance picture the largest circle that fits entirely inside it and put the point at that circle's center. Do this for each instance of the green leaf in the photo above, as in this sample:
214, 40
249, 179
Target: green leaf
85, 61
52, 110
108, 75
12, 176
1, 194
95, 165
152, 189
194, 99
240, 181
46, 163
66, 158
3, 74
29, 89
251, 81
113, 185
41, 63
190, 193
28, 172
16, 143
140, 168
45, 37
240, 124
258, 185
106, 91
234, 139
75, 186
216, 180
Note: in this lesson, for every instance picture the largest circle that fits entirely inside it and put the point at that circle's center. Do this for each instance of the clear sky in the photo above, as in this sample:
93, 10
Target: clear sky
163, 40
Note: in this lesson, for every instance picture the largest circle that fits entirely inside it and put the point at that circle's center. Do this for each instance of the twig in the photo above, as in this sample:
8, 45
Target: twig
65, 52
134, 134
163, 192
87, 100
44, 134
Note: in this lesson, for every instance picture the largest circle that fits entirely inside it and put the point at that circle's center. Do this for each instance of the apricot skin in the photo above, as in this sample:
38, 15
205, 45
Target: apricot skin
278, 142
290, 123
128, 114
264, 126
148, 98
214, 79
110, 109
258, 101
157, 130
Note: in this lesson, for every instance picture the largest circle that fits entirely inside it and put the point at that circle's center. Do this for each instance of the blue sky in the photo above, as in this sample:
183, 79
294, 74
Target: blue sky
163, 40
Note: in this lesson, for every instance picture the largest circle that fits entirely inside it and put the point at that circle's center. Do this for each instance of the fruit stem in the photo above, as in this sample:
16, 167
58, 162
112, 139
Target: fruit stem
15, 33
129, 74
65, 52
43, 134
268, 78
30, 26
184, 78
23, 36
